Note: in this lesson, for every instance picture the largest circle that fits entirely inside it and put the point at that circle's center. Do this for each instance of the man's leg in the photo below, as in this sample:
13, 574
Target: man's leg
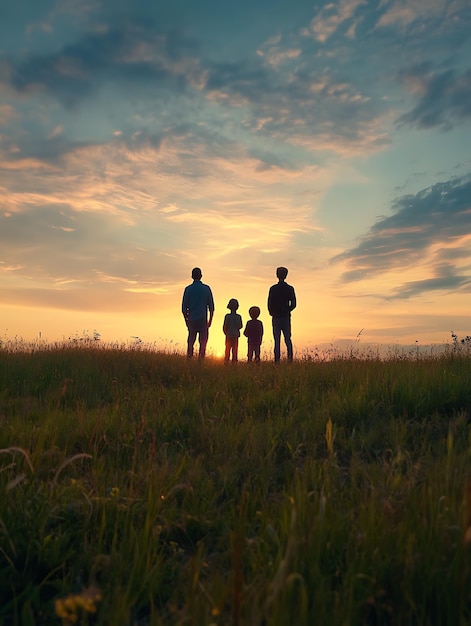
192, 331
286, 328
276, 337
203, 337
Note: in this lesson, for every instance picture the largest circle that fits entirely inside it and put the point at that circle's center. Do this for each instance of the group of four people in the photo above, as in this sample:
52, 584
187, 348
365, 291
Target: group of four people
198, 312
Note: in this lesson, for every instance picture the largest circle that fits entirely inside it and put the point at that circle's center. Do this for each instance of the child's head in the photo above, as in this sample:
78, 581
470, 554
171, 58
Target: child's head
232, 305
254, 312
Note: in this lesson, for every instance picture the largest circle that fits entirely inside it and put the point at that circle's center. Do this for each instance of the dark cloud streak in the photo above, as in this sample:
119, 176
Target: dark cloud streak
134, 52
439, 214
445, 101
445, 279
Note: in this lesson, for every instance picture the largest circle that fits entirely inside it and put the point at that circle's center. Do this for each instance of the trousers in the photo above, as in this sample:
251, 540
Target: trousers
282, 325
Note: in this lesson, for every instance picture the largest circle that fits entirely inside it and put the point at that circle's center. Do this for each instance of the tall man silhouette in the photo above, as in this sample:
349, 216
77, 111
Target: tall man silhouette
281, 301
197, 303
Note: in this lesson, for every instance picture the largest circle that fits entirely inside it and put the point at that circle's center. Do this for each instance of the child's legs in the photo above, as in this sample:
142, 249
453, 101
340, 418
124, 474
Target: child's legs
252, 351
235, 348
231, 347
227, 352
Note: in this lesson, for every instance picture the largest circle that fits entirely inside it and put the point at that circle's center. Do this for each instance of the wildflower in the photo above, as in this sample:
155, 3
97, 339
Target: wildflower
114, 493
329, 437
77, 605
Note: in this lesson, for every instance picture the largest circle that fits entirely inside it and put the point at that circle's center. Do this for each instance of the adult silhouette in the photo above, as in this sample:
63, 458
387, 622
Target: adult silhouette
281, 301
198, 311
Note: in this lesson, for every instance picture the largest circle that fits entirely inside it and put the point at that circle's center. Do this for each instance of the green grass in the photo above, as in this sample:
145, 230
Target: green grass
138, 488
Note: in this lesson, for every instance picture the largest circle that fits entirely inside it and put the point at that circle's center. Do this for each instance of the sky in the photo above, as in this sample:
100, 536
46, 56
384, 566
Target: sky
139, 139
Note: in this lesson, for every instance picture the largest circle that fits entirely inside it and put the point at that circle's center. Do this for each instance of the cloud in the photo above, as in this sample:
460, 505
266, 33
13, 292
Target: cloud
7, 114
133, 52
422, 231
134, 214
276, 55
88, 298
444, 98
55, 244
444, 278
404, 13
150, 77
333, 15
298, 106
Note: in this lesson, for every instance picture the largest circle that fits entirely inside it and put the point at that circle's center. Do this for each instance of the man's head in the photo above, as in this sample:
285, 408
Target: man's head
281, 273
196, 273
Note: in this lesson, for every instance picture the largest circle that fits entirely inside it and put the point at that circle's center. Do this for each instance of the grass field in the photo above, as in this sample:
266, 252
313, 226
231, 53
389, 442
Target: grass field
138, 488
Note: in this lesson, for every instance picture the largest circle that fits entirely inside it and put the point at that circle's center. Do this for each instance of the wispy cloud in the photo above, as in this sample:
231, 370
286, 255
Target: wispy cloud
132, 51
404, 13
444, 278
7, 113
444, 98
279, 93
332, 16
422, 230
130, 214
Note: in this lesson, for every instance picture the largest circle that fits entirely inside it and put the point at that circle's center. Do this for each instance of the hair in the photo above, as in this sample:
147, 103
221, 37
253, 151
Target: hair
233, 304
196, 273
254, 312
281, 272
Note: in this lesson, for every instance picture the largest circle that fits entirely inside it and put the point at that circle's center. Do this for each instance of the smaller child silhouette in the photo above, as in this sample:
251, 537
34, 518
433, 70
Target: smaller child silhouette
231, 328
254, 333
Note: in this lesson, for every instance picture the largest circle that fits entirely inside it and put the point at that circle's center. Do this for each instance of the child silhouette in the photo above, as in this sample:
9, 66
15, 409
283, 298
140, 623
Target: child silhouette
231, 328
254, 333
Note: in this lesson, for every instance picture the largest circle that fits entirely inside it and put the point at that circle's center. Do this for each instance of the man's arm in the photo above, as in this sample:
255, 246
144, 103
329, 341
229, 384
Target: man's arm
270, 300
185, 311
210, 306
293, 300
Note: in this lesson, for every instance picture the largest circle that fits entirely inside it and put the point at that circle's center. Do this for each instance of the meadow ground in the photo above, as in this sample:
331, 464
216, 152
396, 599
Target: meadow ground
140, 489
